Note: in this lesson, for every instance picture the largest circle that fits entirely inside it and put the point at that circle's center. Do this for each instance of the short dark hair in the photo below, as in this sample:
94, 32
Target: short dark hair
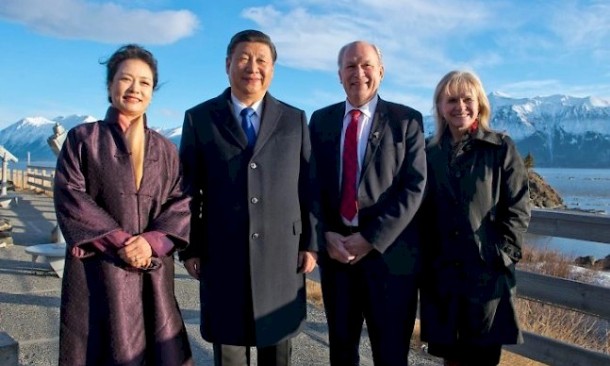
251, 35
129, 52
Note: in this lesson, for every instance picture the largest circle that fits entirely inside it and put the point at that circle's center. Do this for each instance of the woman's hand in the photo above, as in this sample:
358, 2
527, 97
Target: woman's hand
136, 252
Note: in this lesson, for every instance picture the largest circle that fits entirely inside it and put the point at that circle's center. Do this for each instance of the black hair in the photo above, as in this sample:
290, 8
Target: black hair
129, 52
251, 35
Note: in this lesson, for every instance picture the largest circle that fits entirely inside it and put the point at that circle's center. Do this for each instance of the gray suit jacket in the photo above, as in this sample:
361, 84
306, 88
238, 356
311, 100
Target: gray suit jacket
250, 219
393, 177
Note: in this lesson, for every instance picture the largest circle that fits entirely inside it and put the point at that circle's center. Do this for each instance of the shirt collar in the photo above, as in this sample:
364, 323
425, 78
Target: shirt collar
367, 109
238, 106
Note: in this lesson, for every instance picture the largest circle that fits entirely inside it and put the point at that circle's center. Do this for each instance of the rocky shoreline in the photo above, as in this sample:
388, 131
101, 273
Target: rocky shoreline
542, 195
590, 262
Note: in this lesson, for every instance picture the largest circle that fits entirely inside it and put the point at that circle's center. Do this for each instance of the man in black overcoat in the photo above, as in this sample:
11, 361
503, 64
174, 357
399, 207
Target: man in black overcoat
246, 157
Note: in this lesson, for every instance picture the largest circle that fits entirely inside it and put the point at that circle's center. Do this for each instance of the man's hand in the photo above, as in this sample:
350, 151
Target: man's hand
307, 261
335, 246
193, 267
357, 246
136, 252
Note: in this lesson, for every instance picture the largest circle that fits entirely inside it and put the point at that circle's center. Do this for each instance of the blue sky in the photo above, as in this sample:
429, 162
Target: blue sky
51, 49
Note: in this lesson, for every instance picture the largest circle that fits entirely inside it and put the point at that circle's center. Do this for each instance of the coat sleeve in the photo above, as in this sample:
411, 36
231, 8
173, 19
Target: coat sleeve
399, 204
80, 219
308, 237
514, 210
173, 220
319, 219
192, 186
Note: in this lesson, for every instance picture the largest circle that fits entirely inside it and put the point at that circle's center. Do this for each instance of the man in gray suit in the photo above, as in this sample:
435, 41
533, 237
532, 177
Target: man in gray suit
370, 166
245, 158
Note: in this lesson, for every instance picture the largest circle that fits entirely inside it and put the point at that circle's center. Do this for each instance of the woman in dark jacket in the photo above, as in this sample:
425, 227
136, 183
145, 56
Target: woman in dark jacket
478, 205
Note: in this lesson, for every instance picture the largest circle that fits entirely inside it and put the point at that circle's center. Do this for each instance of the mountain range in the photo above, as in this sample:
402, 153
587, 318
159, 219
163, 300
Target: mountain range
557, 130
27, 138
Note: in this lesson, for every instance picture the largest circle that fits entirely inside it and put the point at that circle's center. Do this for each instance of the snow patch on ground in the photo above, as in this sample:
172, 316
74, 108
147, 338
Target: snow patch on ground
600, 278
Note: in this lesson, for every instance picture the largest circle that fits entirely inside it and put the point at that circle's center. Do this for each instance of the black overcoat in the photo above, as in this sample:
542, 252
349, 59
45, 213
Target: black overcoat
250, 219
112, 314
477, 210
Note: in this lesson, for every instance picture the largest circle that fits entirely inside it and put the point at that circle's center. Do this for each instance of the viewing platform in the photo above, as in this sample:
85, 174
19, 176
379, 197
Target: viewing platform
30, 291
30, 298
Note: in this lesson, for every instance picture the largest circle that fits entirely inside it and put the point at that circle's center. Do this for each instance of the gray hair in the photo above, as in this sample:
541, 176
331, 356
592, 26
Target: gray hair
344, 48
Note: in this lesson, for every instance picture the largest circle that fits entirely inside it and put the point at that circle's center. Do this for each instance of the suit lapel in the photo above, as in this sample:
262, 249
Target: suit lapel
268, 121
222, 116
378, 128
335, 128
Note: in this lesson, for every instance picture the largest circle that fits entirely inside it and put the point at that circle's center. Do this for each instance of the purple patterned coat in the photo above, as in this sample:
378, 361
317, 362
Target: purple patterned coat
112, 314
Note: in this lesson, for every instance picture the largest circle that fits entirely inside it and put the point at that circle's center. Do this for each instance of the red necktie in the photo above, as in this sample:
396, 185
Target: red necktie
349, 199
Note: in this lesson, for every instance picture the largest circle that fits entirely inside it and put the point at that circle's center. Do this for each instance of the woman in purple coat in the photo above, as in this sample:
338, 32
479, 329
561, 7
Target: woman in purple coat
122, 212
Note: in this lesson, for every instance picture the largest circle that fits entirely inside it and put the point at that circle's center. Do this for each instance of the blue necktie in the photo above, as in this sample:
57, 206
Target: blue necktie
246, 123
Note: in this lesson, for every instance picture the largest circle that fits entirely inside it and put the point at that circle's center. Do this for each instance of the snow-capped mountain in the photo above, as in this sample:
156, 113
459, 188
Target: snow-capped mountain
557, 130
29, 135
174, 134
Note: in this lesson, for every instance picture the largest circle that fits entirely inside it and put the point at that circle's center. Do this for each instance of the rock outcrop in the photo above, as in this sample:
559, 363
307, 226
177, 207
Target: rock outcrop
542, 194
590, 262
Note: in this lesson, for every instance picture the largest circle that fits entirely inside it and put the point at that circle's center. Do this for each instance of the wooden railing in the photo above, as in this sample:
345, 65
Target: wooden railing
37, 178
577, 296
41, 178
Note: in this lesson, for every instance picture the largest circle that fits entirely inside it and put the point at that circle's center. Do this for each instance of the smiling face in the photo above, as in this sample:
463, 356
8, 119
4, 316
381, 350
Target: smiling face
460, 109
250, 69
131, 88
360, 72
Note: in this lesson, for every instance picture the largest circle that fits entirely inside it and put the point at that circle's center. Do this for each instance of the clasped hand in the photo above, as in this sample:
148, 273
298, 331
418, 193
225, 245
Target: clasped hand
136, 252
347, 249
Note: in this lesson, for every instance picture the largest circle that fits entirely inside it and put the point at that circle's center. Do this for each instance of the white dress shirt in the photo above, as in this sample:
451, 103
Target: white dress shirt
256, 117
364, 131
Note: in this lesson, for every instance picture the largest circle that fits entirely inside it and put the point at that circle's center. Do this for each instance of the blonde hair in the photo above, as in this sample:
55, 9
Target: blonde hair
456, 82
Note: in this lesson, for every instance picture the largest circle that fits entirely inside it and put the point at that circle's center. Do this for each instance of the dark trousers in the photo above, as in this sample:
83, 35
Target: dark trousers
276, 355
468, 354
368, 291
